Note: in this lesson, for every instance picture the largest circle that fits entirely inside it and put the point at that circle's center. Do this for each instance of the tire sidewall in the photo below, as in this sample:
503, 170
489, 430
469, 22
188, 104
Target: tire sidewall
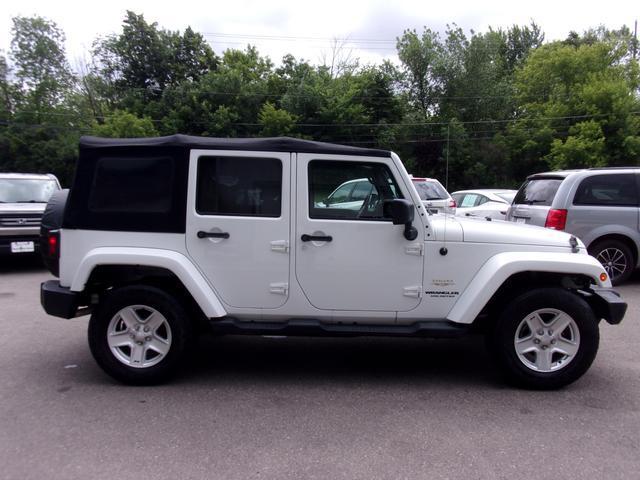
504, 332
116, 300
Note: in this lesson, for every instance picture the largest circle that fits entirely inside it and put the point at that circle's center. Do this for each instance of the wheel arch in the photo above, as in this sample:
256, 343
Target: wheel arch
104, 268
507, 273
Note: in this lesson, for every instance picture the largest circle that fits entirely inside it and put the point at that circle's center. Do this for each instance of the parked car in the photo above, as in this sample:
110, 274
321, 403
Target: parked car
161, 239
434, 196
23, 198
349, 195
486, 203
599, 206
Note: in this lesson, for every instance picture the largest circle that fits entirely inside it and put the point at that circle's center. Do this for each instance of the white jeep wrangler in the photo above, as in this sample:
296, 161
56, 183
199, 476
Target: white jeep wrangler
162, 238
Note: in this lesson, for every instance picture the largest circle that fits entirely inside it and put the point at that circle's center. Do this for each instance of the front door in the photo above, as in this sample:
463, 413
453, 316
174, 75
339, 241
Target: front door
348, 256
238, 224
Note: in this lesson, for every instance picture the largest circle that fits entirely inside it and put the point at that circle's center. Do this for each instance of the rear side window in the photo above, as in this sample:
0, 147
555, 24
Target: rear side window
132, 185
615, 189
539, 191
239, 186
430, 190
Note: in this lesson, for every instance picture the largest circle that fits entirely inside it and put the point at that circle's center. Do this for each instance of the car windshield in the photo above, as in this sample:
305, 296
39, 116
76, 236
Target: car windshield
17, 190
539, 191
507, 196
430, 190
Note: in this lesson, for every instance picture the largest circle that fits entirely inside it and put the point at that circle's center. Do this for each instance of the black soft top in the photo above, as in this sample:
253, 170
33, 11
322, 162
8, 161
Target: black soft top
275, 144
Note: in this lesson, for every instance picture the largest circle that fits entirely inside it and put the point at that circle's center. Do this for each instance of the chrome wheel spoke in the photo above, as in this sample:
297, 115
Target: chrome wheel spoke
137, 354
543, 360
566, 347
561, 322
159, 346
155, 321
535, 322
129, 317
119, 339
526, 345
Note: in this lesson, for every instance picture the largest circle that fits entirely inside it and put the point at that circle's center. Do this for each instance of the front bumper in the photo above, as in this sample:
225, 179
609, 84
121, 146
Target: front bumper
60, 301
608, 304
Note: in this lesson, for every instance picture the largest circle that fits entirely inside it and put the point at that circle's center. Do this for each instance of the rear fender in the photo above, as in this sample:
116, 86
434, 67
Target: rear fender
173, 261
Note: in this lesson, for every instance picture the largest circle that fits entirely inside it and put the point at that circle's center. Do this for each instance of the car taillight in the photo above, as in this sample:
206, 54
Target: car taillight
556, 219
53, 244
452, 203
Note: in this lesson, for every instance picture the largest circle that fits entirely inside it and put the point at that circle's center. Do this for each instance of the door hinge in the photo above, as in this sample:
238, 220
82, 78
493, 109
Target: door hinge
281, 246
414, 249
279, 288
413, 292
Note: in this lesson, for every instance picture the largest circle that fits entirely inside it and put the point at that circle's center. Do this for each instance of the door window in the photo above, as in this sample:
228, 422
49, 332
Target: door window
349, 190
239, 186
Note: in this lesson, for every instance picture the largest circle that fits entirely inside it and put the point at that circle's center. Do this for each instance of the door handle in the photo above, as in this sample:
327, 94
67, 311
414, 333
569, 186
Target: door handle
316, 238
202, 234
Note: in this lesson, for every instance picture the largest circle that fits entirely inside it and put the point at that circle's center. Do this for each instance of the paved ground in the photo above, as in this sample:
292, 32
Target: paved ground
305, 408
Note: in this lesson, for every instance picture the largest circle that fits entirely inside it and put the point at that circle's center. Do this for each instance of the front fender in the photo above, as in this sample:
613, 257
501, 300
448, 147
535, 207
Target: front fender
503, 265
175, 262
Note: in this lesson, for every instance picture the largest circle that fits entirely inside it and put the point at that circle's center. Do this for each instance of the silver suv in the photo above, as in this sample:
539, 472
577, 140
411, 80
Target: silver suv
23, 198
600, 206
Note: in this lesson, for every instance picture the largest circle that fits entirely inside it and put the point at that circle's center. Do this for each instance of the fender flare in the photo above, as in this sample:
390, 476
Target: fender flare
500, 267
173, 261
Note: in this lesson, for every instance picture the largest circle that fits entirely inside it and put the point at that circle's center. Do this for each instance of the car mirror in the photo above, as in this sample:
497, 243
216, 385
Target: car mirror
401, 212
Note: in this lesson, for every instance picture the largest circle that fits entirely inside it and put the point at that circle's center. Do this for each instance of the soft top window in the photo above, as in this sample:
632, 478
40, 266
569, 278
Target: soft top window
130, 184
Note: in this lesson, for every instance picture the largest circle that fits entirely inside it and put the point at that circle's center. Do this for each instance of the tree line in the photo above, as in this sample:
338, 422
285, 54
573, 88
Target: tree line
488, 107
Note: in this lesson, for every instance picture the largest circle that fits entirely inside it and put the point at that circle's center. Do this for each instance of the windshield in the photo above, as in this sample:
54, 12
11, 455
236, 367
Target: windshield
507, 196
17, 190
538, 191
430, 190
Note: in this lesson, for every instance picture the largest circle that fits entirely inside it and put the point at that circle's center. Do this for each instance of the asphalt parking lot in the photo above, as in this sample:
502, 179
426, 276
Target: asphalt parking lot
305, 408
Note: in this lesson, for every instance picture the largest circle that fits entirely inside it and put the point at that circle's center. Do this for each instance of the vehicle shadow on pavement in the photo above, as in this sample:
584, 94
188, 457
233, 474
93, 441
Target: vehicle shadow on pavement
22, 263
298, 360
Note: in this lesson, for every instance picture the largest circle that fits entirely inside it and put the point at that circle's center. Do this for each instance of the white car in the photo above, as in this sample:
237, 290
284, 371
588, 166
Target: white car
485, 203
162, 239
434, 196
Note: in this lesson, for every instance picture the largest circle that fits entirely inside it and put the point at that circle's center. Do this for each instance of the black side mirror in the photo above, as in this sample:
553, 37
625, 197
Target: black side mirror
401, 212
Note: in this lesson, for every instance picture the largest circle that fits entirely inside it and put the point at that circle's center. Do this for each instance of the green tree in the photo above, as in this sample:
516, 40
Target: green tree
125, 125
275, 121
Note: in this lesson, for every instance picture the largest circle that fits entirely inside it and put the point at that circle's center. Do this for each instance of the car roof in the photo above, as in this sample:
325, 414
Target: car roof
486, 191
27, 176
274, 144
566, 173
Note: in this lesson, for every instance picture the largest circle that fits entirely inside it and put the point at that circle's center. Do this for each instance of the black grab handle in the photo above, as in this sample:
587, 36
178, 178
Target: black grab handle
202, 234
316, 238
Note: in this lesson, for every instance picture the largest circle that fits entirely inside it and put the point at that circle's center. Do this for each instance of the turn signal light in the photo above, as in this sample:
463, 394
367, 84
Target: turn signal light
556, 219
603, 277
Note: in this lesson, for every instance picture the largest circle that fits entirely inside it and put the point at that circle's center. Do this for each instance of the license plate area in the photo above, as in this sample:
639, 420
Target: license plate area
521, 220
22, 247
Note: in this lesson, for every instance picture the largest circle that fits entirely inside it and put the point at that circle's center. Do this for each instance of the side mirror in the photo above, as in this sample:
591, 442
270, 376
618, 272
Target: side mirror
401, 212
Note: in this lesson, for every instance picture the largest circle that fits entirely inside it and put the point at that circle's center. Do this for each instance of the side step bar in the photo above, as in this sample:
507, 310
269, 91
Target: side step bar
314, 328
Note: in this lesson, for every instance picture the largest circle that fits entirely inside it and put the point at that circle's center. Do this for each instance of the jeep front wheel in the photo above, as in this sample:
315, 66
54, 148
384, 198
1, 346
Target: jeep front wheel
546, 338
139, 335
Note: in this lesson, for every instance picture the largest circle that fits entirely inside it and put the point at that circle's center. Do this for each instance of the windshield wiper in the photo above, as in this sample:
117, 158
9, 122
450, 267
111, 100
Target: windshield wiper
531, 202
30, 201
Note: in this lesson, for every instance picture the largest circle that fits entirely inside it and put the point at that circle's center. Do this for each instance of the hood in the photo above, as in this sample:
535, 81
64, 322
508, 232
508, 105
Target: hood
479, 230
22, 207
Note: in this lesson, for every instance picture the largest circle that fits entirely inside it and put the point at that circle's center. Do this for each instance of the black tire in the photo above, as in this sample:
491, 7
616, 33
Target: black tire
179, 333
611, 254
502, 338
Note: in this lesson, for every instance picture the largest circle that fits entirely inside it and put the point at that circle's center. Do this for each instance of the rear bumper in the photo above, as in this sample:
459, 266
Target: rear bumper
6, 240
60, 301
608, 304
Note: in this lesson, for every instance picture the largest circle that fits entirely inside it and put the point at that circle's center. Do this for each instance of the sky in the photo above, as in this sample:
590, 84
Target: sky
363, 29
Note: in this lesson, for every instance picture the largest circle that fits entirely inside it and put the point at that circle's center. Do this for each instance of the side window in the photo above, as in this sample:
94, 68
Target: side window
481, 200
369, 184
615, 189
239, 186
469, 200
132, 185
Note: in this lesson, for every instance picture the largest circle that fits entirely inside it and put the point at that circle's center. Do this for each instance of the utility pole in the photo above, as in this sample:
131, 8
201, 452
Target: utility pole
635, 39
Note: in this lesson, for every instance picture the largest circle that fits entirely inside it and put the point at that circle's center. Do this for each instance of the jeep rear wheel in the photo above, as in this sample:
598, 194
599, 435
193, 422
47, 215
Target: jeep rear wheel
545, 339
139, 335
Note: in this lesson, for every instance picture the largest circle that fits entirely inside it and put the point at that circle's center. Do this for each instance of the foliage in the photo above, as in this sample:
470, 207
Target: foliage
483, 109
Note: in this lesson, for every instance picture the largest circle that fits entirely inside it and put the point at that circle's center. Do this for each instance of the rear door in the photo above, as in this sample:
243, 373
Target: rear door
354, 259
238, 224
534, 199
